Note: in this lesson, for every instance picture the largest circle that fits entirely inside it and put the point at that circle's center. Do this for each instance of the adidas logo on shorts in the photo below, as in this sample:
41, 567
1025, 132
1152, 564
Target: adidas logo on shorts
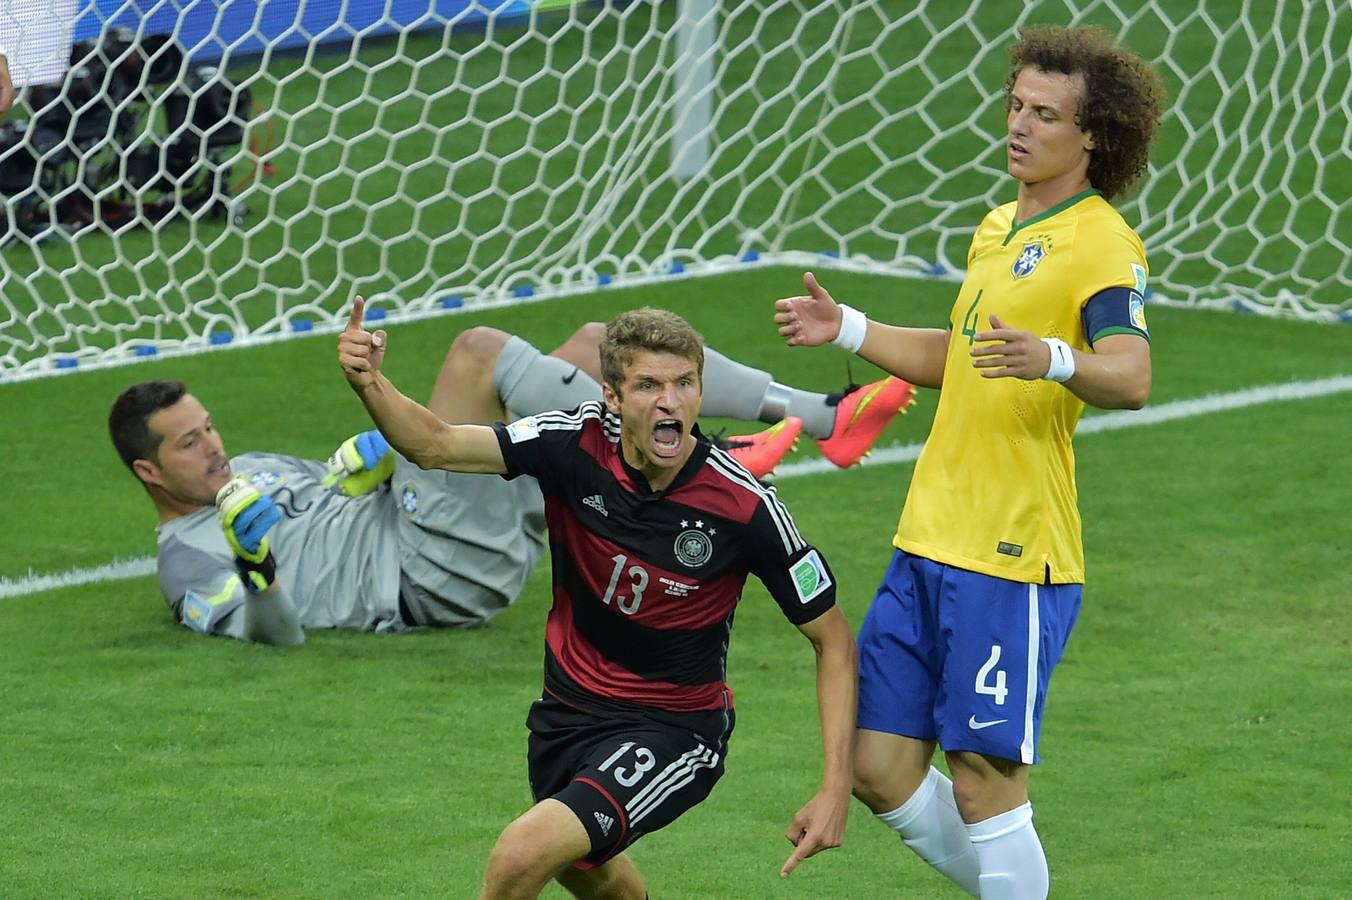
604, 821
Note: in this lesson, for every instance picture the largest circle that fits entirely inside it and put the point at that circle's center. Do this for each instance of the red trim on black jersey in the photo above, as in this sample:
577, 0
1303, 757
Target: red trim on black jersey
646, 582
596, 673
686, 601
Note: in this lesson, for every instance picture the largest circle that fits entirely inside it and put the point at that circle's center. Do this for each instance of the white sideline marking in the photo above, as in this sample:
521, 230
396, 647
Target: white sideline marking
1112, 421
113, 571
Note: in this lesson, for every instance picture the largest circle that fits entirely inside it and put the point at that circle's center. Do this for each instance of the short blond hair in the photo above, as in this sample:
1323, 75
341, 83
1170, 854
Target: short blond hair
651, 330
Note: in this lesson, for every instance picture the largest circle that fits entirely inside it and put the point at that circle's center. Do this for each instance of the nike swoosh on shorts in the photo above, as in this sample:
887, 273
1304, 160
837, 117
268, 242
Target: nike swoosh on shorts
973, 724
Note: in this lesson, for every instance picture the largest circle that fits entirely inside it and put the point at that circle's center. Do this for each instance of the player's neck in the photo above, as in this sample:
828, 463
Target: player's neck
170, 508
1038, 197
659, 478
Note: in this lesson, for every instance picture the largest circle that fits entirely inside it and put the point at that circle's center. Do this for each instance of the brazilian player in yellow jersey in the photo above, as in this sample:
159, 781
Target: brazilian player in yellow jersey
985, 581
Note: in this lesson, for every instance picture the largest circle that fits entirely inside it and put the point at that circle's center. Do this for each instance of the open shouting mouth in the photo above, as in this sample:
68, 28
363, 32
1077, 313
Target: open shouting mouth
667, 438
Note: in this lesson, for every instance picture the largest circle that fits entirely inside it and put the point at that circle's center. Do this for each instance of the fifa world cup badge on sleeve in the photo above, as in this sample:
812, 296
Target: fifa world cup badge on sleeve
523, 430
809, 577
197, 612
1137, 311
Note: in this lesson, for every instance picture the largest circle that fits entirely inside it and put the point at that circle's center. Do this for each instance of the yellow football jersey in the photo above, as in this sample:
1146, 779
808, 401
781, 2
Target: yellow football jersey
994, 487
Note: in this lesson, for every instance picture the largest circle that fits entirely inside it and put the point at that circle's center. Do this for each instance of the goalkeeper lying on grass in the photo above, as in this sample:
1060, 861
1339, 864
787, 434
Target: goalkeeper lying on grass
262, 546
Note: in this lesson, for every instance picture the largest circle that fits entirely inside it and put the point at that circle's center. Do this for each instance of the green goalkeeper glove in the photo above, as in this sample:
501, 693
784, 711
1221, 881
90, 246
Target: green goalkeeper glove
360, 463
246, 516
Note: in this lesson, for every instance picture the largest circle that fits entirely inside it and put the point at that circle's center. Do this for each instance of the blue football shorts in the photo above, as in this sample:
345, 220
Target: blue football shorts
963, 658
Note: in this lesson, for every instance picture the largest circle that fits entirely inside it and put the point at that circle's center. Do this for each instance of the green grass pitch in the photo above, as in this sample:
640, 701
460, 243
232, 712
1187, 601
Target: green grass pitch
1195, 743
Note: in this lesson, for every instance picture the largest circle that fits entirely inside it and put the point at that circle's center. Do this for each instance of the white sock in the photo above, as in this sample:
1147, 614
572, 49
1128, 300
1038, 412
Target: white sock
929, 823
1013, 866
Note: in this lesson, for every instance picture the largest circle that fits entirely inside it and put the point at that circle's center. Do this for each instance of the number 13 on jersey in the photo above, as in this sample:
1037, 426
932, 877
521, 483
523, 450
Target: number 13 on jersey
637, 581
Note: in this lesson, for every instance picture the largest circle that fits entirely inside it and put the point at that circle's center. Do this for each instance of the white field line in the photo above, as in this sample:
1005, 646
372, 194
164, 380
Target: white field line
113, 571
1113, 421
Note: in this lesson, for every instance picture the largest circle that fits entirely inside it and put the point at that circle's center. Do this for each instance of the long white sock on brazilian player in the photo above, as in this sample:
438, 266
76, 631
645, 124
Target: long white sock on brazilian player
1013, 865
736, 391
930, 824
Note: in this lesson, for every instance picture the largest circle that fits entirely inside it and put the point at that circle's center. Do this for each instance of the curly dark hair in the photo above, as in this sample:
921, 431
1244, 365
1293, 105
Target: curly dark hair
647, 329
1122, 99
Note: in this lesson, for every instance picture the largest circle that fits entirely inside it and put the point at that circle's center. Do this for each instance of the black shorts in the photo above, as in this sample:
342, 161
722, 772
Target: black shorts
624, 775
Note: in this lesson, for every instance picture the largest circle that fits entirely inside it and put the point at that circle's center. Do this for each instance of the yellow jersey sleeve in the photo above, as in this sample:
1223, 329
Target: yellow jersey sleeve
994, 488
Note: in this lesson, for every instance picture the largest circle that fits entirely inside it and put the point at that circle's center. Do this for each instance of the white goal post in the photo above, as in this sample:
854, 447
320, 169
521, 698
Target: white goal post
176, 176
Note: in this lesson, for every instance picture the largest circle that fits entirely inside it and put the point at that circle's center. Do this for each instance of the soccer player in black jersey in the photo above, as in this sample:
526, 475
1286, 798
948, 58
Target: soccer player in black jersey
652, 532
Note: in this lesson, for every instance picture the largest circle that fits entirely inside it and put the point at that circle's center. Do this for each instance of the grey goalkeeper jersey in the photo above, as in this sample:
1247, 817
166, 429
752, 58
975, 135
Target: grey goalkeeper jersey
338, 557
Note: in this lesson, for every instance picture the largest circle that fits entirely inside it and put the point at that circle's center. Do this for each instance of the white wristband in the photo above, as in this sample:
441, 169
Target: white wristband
853, 327
1062, 367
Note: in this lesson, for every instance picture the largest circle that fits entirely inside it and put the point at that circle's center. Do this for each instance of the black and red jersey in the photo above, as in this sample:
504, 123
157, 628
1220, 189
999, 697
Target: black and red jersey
646, 582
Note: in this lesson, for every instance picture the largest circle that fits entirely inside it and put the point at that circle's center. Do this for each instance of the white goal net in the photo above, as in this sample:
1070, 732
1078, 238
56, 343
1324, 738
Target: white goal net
177, 174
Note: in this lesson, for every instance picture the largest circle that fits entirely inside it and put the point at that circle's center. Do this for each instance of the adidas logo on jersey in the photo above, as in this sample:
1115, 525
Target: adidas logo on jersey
604, 821
596, 503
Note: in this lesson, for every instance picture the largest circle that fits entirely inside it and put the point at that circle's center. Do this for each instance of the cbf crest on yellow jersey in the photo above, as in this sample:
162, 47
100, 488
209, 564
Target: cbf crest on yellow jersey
994, 488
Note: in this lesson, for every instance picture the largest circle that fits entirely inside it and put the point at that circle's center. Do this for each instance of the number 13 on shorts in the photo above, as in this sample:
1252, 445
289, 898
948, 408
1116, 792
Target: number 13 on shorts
643, 762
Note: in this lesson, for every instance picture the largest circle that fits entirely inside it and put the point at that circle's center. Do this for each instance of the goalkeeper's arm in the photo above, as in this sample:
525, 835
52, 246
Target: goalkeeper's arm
270, 618
246, 516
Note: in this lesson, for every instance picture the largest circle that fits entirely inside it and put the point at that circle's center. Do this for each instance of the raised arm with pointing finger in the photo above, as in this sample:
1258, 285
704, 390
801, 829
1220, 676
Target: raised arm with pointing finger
411, 428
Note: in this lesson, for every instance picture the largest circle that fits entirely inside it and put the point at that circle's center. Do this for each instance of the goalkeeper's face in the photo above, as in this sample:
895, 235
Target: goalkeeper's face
191, 465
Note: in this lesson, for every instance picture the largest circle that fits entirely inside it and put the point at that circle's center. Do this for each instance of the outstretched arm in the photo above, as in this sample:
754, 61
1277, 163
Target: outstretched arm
411, 428
913, 354
820, 824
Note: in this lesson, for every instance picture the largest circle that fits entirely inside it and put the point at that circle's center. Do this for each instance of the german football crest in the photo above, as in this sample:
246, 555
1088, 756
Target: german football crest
1033, 253
693, 547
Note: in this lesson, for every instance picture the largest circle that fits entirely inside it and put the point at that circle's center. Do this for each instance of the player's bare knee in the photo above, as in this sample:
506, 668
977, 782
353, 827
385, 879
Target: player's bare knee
985, 785
515, 861
886, 774
583, 349
589, 334
873, 785
478, 346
